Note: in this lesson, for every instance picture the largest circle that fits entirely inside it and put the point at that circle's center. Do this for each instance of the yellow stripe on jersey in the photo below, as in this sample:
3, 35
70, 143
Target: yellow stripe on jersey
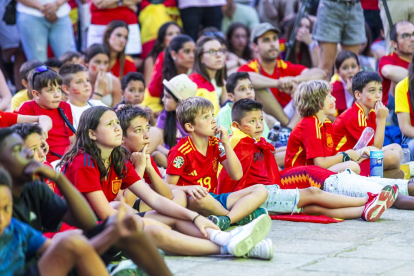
297, 155
317, 127
341, 143
184, 145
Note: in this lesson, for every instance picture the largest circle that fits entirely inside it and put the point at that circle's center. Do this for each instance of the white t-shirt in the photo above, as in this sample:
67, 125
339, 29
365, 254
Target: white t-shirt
182, 4
78, 110
61, 12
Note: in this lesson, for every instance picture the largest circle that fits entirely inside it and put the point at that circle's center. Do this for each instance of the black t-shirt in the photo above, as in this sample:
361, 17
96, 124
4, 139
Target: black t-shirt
39, 207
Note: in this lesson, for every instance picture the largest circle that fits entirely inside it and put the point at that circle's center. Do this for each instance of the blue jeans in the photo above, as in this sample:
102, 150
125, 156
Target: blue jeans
36, 33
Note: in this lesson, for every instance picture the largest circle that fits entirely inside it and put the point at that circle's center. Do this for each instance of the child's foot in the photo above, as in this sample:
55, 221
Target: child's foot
244, 238
223, 222
263, 250
377, 204
249, 218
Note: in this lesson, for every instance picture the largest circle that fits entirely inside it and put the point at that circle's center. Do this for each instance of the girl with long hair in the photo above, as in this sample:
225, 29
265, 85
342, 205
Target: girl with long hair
166, 33
208, 64
178, 58
238, 42
115, 39
106, 87
96, 166
404, 99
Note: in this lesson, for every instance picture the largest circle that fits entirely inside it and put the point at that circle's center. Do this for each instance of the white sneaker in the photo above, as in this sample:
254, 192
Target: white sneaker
263, 250
245, 237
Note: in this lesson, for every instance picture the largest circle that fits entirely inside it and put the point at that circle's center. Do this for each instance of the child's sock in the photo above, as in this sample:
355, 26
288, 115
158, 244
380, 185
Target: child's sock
218, 237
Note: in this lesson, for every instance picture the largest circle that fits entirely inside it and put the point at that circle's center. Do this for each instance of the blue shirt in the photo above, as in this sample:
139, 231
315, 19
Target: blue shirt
18, 243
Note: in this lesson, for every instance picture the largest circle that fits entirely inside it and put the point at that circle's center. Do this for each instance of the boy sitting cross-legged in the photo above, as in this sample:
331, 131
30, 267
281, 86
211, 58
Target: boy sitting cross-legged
45, 88
367, 111
259, 166
76, 84
239, 86
135, 126
193, 164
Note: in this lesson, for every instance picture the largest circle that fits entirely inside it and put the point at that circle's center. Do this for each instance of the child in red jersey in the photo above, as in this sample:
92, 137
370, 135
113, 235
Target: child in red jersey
97, 168
259, 166
367, 111
346, 66
135, 126
45, 87
310, 142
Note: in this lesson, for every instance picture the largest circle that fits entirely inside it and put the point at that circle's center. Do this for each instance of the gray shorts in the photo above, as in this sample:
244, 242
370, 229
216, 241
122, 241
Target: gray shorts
9, 35
339, 22
282, 201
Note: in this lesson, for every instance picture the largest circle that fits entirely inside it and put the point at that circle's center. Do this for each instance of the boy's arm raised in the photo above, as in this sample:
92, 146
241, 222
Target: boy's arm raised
232, 163
382, 112
44, 121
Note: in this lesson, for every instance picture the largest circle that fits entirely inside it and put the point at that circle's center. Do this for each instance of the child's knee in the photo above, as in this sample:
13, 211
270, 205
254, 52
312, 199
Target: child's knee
180, 197
392, 158
74, 243
353, 166
260, 190
312, 191
201, 205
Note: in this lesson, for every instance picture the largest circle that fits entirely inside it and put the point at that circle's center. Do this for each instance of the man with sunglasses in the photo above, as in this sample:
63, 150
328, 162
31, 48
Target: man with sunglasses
393, 68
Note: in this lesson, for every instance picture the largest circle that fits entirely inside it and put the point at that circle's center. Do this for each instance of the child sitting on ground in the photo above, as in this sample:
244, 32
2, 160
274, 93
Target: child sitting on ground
259, 166
75, 84
367, 111
135, 126
45, 87
239, 86
310, 142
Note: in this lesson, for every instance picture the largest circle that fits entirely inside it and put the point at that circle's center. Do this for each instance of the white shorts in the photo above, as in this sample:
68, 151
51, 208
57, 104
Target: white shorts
289, 109
282, 201
133, 46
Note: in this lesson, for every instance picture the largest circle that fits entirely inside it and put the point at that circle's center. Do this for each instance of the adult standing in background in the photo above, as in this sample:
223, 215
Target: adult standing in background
235, 12
43, 22
196, 13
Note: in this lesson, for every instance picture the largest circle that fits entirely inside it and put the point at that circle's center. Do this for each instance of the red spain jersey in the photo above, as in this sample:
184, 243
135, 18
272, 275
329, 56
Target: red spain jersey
206, 90
106, 16
154, 165
193, 167
348, 127
129, 66
155, 86
7, 119
391, 59
338, 92
309, 139
283, 69
58, 139
83, 172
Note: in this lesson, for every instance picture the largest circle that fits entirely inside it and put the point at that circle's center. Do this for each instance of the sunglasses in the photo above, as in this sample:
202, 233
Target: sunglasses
39, 70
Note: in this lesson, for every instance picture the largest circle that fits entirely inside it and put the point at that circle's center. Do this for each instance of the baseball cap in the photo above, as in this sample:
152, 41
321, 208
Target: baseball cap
260, 29
181, 86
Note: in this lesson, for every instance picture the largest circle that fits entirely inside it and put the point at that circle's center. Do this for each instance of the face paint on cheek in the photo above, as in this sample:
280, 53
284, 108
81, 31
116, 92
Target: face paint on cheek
247, 127
332, 105
76, 91
94, 68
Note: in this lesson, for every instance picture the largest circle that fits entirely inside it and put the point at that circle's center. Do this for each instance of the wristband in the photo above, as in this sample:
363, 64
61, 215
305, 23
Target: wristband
120, 2
196, 217
345, 157
98, 94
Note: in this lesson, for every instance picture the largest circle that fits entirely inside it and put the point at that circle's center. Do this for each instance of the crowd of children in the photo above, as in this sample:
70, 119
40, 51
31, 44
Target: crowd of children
99, 161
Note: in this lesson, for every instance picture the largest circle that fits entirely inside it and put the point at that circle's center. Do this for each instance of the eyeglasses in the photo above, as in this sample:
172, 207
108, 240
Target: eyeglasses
213, 52
38, 71
407, 36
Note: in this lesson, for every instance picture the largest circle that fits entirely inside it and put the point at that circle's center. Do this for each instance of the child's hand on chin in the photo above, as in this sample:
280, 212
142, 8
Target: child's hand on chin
381, 110
224, 134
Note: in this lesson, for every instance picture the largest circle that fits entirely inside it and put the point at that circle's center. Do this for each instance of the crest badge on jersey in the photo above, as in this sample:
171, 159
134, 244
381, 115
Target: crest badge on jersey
329, 140
178, 162
116, 185
221, 149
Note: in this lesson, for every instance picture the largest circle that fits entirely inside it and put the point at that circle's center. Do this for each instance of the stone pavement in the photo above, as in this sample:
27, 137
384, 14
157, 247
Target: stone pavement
352, 247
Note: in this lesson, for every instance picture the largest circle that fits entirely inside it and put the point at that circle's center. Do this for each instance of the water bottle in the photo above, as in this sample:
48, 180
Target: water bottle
405, 160
274, 134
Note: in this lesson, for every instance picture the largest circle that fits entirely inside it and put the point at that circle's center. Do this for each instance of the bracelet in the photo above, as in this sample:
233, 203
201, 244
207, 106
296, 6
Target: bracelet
98, 94
345, 157
196, 217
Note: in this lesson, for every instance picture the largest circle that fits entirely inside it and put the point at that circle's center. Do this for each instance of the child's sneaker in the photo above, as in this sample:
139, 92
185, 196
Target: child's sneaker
244, 238
263, 250
250, 217
223, 222
377, 204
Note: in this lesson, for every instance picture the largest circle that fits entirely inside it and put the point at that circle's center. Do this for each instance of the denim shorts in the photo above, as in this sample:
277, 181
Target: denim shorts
339, 22
282, 201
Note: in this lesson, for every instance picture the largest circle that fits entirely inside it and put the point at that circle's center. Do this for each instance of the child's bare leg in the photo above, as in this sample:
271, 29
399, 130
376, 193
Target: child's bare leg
186, 227
280, 158
392, 161
179, 197
177, 243
69, 251
314, 195
342, 213
206, 206
346, 165
244, 202
404, 202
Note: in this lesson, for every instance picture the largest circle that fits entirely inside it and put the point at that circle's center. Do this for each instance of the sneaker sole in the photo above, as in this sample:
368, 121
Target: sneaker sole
258, 233
385, 201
